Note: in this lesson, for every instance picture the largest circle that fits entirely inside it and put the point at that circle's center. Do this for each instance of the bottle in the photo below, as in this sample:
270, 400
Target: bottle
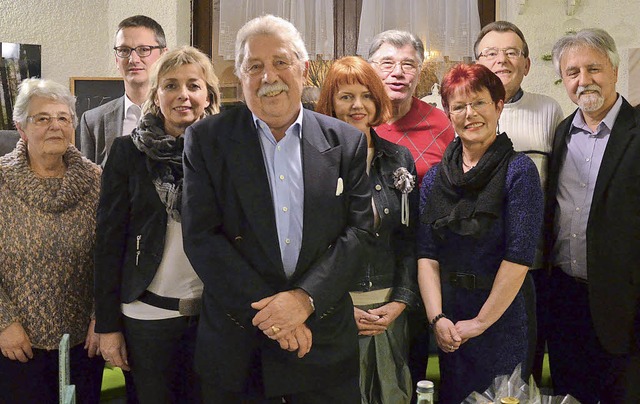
424, 390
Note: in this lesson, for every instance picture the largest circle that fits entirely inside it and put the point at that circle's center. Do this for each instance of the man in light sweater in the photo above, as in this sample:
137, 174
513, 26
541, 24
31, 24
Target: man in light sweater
530, 121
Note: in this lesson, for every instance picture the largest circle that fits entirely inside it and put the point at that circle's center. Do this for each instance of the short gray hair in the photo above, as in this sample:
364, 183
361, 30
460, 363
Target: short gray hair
272, 26
30, 88
397, 39
500, 26
594, 38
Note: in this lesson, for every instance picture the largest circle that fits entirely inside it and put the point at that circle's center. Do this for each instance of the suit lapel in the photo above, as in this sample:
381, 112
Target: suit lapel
621, 134
250, 180
113, 122
321, 169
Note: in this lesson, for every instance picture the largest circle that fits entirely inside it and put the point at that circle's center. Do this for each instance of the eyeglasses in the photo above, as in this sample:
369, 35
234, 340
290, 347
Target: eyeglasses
142, 50
44, 120
257, 68
387, 66
477, 106
492, 53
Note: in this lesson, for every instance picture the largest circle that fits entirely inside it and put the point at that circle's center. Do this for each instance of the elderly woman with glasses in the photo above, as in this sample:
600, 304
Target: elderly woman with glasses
481, 214
147, 293
48, 200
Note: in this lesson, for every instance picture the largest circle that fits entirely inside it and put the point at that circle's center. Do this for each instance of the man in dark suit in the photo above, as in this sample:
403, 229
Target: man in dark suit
139, 42
593, 229
276, 217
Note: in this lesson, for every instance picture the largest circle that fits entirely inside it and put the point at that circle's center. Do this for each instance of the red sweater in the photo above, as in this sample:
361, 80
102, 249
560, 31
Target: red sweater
425, 130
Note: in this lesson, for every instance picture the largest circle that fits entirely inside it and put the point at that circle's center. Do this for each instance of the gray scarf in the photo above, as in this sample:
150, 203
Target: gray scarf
164, 161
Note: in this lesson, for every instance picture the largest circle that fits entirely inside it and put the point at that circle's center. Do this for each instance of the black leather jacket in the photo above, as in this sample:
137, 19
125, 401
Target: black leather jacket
392, 261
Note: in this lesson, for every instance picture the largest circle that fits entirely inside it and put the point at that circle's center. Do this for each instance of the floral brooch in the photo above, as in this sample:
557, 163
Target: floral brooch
404, 182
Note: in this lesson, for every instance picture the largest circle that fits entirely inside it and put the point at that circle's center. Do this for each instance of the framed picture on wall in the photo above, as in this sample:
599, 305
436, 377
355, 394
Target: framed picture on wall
92, 92
18, 62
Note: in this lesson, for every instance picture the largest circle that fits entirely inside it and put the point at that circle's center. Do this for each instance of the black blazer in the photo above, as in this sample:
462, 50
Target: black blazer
613, 230
230, 237
131, 226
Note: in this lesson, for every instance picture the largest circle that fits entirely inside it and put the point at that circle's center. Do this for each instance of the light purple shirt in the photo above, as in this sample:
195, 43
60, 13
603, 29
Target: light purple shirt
576, 182
283, 162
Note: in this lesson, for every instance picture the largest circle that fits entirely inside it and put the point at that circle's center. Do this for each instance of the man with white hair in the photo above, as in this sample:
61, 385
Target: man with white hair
593, 229
276, 218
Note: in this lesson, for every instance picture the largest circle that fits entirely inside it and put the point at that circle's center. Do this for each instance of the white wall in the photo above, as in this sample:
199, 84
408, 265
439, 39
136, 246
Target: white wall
77, 35
544, 21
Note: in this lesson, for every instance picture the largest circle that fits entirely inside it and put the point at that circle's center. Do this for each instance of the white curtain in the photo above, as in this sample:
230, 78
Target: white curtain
447, 27
313, 18
509, 9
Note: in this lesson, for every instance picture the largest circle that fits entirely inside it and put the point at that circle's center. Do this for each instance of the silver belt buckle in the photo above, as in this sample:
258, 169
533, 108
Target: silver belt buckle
190, 307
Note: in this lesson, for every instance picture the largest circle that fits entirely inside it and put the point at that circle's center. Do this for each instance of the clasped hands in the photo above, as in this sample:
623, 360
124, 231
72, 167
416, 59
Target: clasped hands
376, 321
282, 316
450, 337
16, 345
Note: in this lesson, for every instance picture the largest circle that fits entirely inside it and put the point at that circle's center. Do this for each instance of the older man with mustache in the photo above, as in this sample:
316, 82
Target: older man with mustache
276, 219
593, 229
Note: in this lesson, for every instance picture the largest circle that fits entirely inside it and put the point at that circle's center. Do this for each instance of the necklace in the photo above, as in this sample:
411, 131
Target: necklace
469, 166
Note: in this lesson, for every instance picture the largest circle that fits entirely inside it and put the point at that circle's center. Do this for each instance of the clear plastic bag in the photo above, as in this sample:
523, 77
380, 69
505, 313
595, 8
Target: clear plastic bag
514, 386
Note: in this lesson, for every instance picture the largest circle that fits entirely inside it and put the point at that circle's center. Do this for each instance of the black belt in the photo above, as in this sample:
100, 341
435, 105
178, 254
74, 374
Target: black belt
468, 281
186, 307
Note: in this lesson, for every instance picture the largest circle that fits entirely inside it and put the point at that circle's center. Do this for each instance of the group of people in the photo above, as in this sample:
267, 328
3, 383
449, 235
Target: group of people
274, 254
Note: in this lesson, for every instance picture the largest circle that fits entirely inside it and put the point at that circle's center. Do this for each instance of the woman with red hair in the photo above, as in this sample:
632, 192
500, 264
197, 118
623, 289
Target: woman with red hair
386, 284
481, 214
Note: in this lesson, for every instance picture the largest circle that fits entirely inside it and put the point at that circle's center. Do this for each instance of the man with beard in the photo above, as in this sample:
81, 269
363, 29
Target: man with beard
276, 218
593, 229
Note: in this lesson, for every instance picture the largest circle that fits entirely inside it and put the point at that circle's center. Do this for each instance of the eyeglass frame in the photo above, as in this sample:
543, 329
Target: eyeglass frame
520, 52
414, 65
68, 120
131, 50
473, 104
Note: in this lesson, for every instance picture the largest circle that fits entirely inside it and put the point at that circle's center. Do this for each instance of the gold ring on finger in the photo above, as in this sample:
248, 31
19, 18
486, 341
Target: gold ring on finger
275, 329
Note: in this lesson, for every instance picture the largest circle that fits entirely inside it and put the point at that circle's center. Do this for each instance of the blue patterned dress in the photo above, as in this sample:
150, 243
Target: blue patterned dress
511, 237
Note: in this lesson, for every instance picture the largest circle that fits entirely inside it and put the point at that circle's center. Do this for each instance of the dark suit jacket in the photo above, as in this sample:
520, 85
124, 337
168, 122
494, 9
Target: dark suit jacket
230, 238
130, 230
98, 127
613, 230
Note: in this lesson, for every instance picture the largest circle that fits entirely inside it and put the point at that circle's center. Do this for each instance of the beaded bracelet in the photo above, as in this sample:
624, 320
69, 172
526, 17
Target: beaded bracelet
436, 318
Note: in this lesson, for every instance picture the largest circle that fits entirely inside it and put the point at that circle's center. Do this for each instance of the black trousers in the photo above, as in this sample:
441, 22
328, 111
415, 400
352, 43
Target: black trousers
419, 346
36, 381
347, 392
161, 359
541, 280
579, 364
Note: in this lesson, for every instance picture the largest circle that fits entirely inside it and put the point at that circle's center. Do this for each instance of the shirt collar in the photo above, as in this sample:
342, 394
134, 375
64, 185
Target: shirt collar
128, 103
296, 126
516, 96
578, 122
